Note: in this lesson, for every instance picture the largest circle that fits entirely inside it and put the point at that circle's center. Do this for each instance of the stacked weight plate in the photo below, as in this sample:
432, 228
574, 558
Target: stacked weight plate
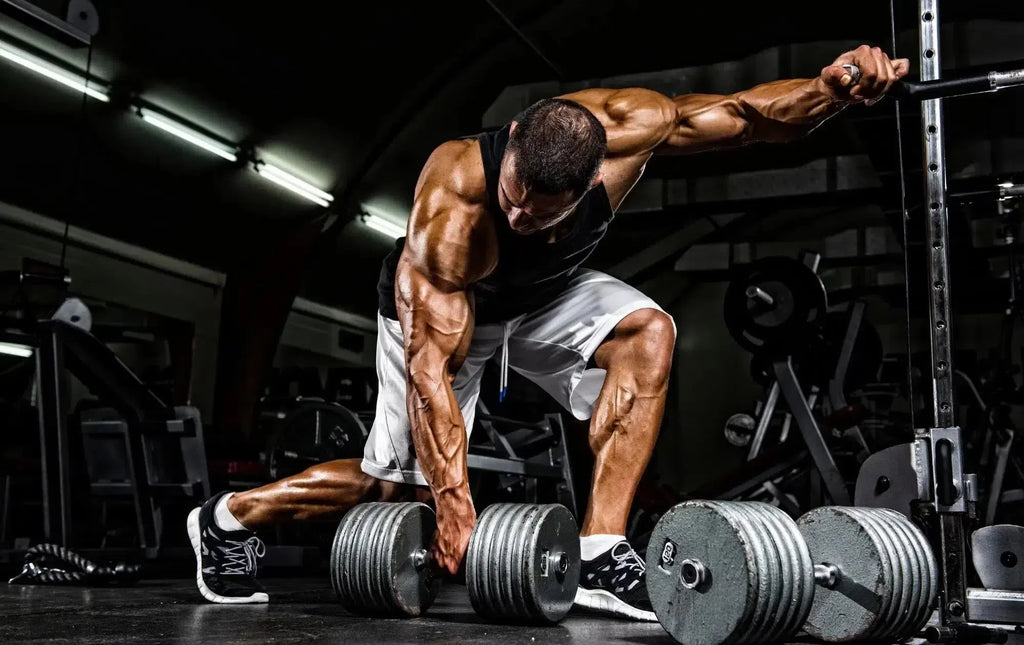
379, 562
888, 577
523, 562
729, 572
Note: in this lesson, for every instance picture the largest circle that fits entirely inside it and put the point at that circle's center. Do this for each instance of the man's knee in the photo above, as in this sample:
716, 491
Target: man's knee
651, 339
394, 491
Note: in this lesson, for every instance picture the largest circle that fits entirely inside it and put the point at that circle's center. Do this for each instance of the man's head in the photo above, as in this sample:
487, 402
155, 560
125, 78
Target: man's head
553, 158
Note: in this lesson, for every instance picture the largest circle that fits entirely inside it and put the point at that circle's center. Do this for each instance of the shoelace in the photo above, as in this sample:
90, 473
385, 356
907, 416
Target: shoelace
629, 559
242, 558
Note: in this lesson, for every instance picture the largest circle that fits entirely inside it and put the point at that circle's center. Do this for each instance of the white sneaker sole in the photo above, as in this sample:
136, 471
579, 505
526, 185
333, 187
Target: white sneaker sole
606, 602
194, 536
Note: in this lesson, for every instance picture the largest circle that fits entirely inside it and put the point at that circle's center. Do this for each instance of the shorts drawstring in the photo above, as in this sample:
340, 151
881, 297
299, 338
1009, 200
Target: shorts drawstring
503, 380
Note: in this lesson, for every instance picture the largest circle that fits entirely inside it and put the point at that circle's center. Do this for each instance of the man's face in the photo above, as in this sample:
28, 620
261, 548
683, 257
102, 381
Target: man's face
529, 211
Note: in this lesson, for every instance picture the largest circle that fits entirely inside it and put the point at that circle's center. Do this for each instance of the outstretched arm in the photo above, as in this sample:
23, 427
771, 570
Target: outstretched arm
448, 248
640, 121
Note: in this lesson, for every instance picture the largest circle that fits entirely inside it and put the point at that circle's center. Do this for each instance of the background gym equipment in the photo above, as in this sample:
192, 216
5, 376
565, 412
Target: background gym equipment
996, 552
522, 564
305, 431
525, 461
742, 572
776, 306
777, 309
926, 479
51, 564
141, 448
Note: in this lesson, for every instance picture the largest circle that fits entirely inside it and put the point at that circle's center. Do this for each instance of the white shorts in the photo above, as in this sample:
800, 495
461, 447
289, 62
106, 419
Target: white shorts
550, 346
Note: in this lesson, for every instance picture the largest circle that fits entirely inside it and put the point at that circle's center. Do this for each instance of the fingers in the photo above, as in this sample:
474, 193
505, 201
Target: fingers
836, 76
865, 59
878, 73
886, 77
890, 73
901, 66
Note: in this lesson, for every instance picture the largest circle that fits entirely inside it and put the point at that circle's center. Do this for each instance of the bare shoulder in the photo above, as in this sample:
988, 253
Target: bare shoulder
455, 167
451, 238
636, 119
617, 105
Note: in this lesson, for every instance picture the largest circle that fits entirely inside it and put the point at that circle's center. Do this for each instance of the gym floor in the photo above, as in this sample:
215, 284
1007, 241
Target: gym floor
301, 610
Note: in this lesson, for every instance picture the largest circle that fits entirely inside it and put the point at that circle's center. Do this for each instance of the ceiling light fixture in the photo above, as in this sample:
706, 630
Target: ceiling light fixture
182, 131
381, 225
293, 183
14, 349
54, 73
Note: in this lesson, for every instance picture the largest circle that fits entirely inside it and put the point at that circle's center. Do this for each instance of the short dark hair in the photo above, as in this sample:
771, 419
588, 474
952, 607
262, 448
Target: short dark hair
558, 146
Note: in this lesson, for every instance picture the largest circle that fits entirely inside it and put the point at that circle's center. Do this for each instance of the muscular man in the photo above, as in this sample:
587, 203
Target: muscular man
491, 266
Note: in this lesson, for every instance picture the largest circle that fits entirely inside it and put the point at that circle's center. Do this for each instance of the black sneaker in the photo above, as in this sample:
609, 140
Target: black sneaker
615, 583
225, 560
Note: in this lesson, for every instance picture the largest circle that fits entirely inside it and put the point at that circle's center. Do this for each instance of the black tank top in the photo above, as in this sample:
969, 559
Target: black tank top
530, 270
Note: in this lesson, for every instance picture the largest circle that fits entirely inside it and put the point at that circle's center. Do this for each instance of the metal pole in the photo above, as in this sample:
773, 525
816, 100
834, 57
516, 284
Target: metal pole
938, 236
953, 607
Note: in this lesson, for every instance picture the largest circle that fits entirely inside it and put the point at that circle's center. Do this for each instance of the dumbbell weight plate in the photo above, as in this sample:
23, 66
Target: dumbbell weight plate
863, 592
797, 571
769, 570
924, 573
379, 561
719, 608
897, 592
523, 562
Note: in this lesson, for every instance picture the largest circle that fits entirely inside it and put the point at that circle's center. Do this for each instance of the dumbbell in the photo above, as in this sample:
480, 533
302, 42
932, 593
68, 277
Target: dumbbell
743, 572
522, 564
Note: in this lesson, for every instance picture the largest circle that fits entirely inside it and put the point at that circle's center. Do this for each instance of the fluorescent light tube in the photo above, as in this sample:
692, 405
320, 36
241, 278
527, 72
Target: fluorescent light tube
294, 184
14, 349
182, 131
381, 225
54, 73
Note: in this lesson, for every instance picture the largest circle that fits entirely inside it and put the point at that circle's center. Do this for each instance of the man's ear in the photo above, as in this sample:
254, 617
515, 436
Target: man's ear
598, 178
512, 128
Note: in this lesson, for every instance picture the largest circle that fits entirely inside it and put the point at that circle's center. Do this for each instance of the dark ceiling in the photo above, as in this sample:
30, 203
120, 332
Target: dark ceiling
350, 96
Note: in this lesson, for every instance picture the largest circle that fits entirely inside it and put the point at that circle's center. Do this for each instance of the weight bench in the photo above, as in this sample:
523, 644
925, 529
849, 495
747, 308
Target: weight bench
138, 448
524, 453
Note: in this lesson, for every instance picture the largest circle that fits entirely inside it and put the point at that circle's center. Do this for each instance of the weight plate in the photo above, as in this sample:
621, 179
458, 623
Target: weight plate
795, 315
739, 429
804, 570
310, 432
889, 621
769, 572
998, 555
782, 609
523, 562
718, 606
917, 591
765, 579
379, 561
798, 571
834, 536
778, 627
929, 572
